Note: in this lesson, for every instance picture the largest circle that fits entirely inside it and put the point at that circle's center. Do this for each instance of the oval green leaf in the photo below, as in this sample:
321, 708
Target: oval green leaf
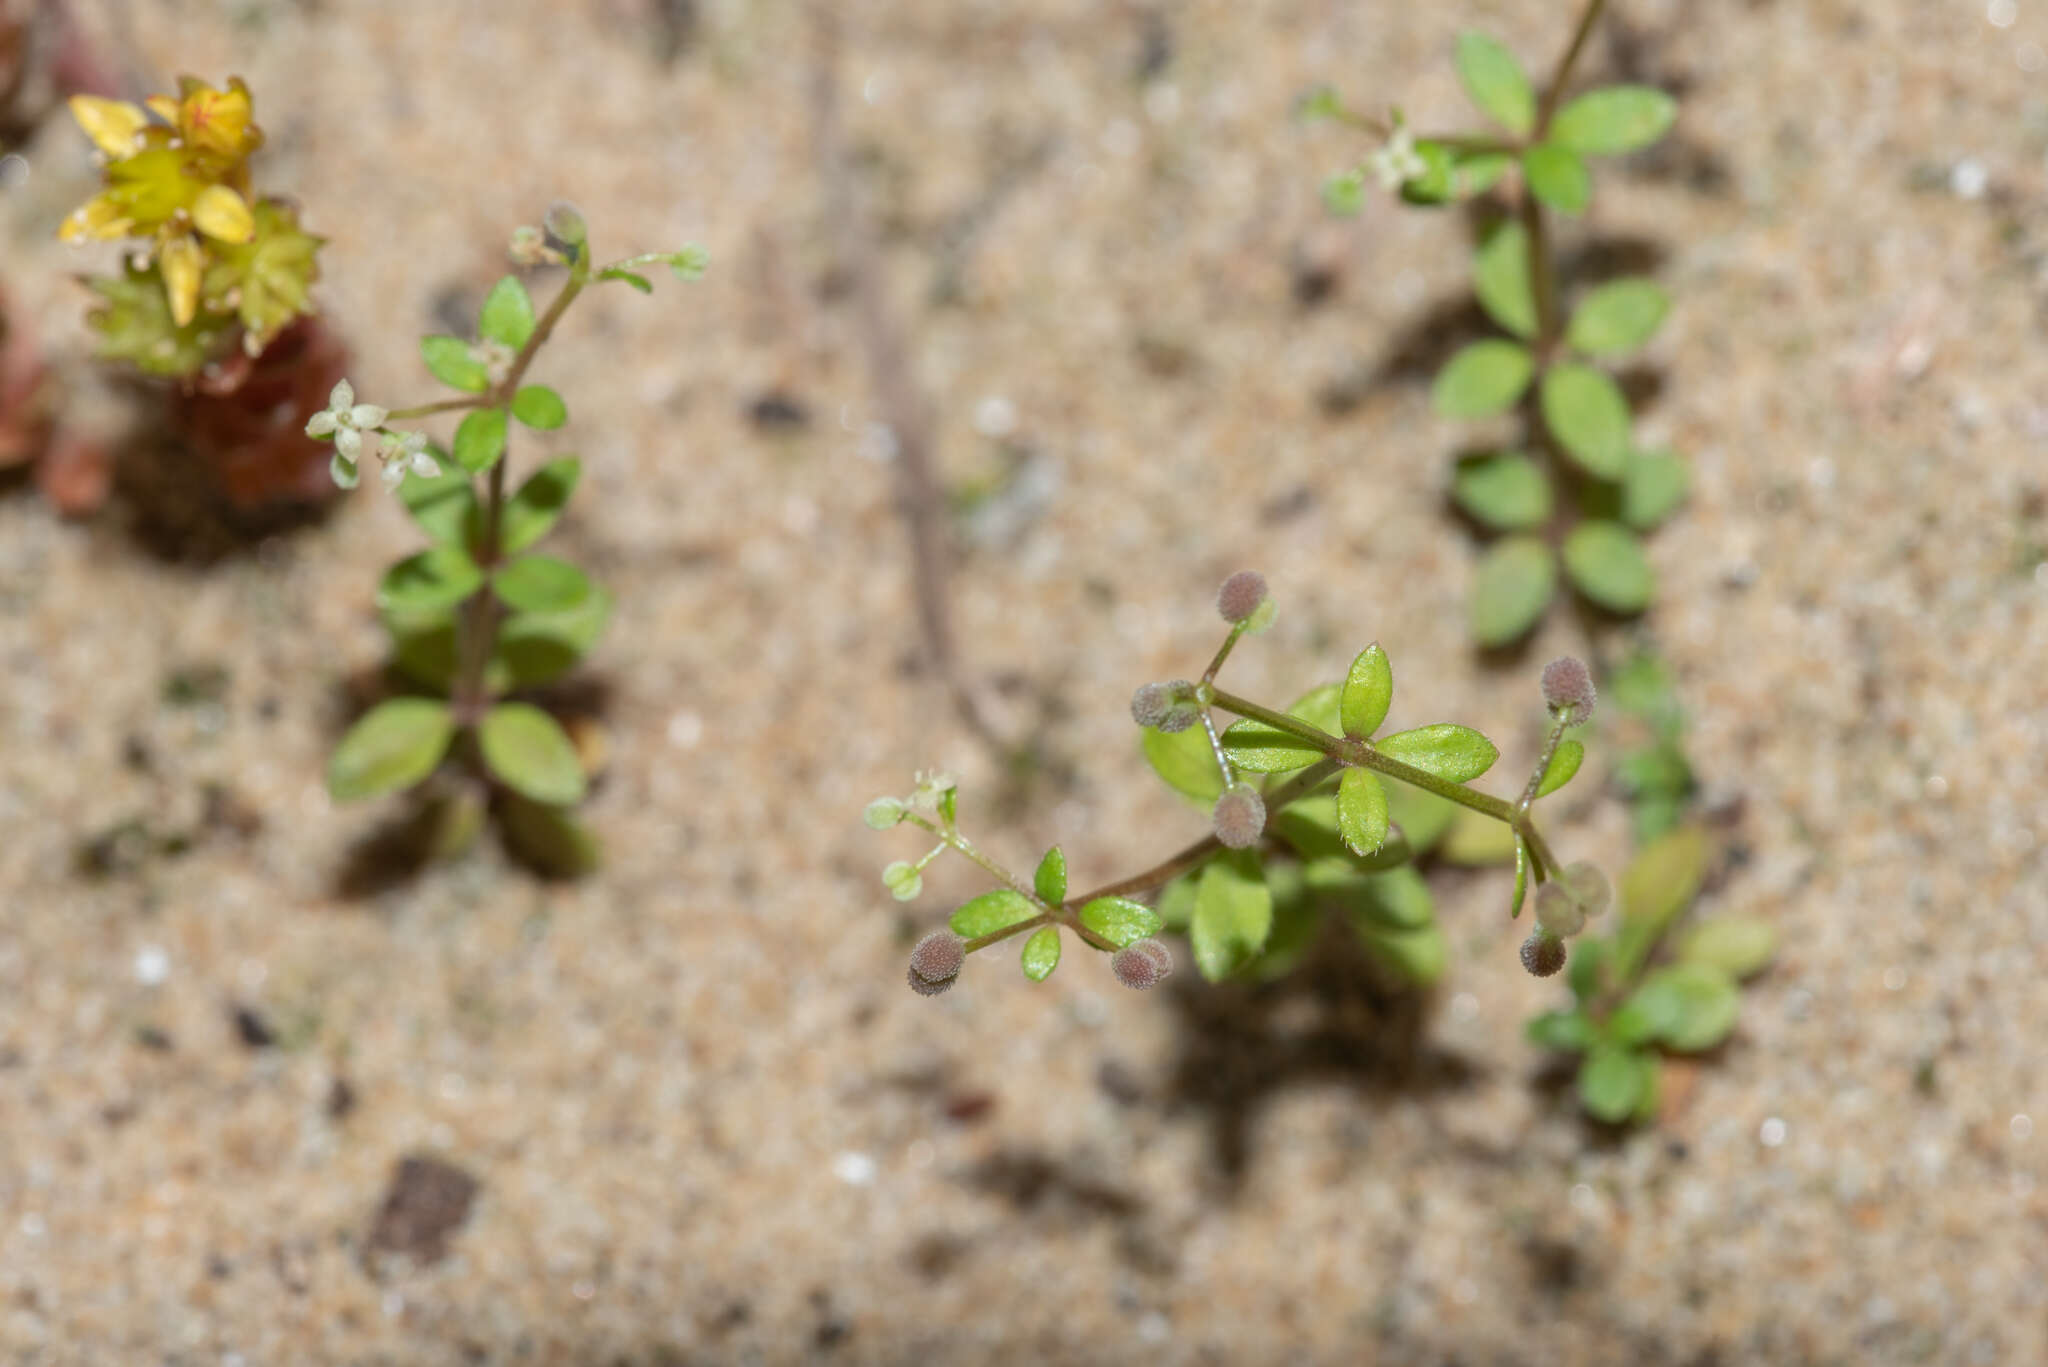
1606, 563
1569, 1031
395, 745
1584, 409
547, 840
436, 578
528, 751
1613, 1082
1050, 881
539, 407
1233, 915
480, 439
1368, 692
1618, 317
1707, 1005
1309, 824
1257, 748
1563, 765
640, 283
1500, 277
1557, 177
442, 504
534, 648
1041, 953
997, 909
1362, 812
1434, 185
1185, 761
1508, 492
1321, 707
1446, 749
1510, 589
1482, 379
1652, 489
449, 361
1613, 120
533, 510
1496, 83
1736, 945
507, 314
1120, 920
541, 583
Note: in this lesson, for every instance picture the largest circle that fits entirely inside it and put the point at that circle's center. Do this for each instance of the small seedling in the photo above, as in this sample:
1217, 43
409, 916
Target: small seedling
1575, 489
1312, 812
477, 617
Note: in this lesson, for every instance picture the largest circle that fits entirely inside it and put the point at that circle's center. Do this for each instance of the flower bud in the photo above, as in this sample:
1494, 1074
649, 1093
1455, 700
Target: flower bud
884, 812
903, 880
936, 961
1142, 964
1151, 703
564, 223
1240, 816
1542, 953
1558, 911
1568, 689
1588, 885
1241, 596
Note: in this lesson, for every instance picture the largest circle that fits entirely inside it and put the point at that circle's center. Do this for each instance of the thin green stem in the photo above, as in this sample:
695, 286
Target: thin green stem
1563, 74
1223, 652
1542, 275
1047, 914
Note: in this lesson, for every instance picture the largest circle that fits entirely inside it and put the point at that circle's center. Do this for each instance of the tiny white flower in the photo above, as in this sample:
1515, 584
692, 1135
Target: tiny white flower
348, 444
367, 417
342, 471
1397, 163
423, 465
393, 475
341, 398
322, 424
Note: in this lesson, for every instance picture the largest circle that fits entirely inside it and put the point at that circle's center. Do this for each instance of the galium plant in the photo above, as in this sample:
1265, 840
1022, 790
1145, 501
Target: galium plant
1575, 487
1312, 811
478, 618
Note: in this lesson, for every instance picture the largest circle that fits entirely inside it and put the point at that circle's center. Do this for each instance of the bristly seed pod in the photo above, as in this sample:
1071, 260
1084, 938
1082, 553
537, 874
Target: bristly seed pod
1240, 816
936, 961
1542, 953
1568, 689
1241, 595
1142, 964
1151, 703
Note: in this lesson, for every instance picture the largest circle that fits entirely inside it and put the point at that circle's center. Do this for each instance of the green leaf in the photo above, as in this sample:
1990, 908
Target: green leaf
1184, 760
1397, 899
1449, 751
1494, 80
1508, 492
1606, 563
1613, 1082
395, 745
1120, 920
266, 281
1321, 707
1736, 945
1618, 317
1563, 765
1613, 120
1557, 177
1586, 969
1707, 1003
1362, 812
640, 283
1659, 883
1309, 824
449, 361
1510, 589
507, 315
1476, 841
1257, 748
535, 648
1500, 277
480, 439
1653, 487
688, 264
1521, 878
1042, 953
438, 577
1422, 816
442, 504
1584, 409
1177, 901
539, 407
997, 909
1368, 692
529, 752
1434, 185
1344, 193
1050, 882
1650, 1011
548, 840
135, 325
540, 583
1233, 914
1482, 379
1569, 1031
532, 511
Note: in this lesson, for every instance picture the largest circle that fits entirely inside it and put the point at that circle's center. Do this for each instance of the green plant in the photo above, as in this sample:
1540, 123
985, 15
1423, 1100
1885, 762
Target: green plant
477, 617
1644, 990
1575, 492
1653, 772
1304, 822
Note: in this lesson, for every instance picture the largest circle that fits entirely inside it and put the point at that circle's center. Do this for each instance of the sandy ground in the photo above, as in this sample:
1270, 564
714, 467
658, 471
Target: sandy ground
704, 1120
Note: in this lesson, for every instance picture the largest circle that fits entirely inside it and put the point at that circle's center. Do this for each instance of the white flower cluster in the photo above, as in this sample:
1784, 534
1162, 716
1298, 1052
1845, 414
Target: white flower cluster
358, 429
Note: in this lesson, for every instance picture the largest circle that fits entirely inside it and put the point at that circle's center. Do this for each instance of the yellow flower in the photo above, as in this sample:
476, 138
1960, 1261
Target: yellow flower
212, 123
111, 124
183, 263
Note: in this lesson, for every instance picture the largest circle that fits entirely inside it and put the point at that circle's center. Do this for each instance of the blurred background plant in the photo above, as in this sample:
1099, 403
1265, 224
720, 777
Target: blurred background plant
1574, 490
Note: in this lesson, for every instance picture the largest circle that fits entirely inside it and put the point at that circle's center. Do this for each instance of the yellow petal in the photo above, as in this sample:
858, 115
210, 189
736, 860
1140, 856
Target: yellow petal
220, 213
99, 217
164, 107
216, 121
182, 263
111, 124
